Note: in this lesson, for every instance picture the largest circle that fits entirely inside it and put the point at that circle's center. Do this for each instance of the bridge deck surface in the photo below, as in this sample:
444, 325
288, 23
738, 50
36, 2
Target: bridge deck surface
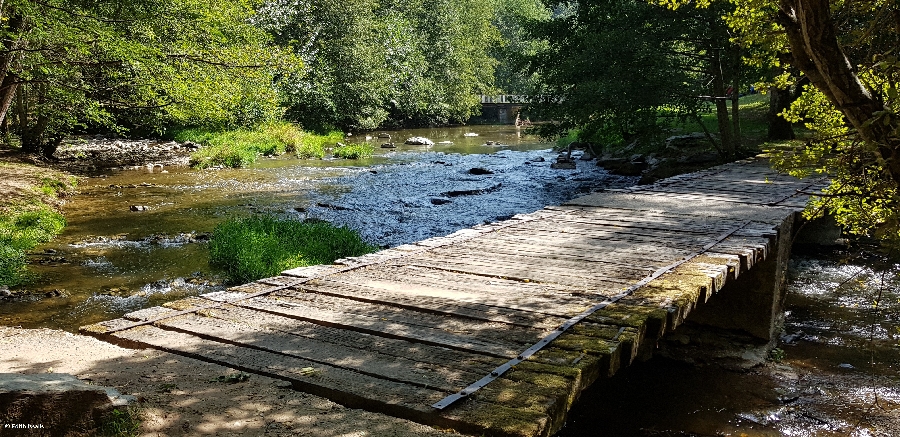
401, 329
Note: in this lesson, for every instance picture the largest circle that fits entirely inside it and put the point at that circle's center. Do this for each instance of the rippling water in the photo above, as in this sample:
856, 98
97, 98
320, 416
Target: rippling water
111, 260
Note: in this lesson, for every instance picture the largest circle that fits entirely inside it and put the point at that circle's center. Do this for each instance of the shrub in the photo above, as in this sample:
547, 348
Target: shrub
257, 247
239, 148
354, 151
313, 146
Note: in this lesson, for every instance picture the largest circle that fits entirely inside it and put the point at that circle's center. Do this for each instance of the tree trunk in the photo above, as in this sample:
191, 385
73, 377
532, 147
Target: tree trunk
779, 127
721, 106
817, 53
8, 58
736, 117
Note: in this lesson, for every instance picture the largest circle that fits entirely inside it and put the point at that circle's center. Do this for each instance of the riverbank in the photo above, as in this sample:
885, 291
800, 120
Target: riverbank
30, 201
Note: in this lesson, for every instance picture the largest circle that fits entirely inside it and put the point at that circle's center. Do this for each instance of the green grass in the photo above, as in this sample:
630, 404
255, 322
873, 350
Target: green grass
240, 148
354, 151
21, 229
247, 249
121, 423
313, 146
753, 109
562, 143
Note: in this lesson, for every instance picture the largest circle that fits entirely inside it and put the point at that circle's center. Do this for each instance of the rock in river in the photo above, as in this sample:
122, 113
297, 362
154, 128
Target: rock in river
479, 171
419, 141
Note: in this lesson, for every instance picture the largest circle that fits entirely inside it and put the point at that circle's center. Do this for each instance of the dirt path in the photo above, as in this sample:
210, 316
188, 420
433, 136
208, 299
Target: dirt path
181, 396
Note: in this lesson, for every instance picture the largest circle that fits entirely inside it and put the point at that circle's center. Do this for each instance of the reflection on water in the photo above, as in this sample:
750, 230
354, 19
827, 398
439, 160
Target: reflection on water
840, 375
111, 260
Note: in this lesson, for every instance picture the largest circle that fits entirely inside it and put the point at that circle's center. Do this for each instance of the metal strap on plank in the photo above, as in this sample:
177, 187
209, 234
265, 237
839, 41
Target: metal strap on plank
475, 386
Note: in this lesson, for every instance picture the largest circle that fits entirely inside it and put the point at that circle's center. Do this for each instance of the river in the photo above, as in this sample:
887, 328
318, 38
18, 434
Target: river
110, 260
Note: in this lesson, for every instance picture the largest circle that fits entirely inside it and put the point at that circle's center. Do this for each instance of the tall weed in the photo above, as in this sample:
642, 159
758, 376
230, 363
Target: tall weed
247, 249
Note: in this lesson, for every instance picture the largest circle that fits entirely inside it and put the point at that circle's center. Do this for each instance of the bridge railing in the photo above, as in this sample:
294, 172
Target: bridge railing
511, 99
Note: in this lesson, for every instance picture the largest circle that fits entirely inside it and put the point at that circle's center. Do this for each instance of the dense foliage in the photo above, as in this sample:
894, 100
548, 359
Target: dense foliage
263, 246
619, 71
67, 65
369, 63
848, 51
23, 227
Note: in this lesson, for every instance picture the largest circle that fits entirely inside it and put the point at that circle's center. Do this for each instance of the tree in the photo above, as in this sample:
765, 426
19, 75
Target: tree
623, 70
848, 52
72, 64
513, 20
370, 63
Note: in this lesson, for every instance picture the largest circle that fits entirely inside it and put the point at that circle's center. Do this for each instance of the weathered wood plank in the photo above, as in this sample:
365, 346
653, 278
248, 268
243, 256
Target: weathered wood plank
287, 307
355, 389
425, 299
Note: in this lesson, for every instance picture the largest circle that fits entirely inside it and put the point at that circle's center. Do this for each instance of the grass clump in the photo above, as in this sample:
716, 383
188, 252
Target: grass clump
121, 423
258, 247
21, 229
354, 151
313, 146
241, 147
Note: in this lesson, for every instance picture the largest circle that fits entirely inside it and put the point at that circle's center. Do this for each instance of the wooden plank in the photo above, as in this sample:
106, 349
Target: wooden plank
357, 340
419, 298
265, 332
492, 294
582, 281
350, 388
563, 266
413, 316
333, 317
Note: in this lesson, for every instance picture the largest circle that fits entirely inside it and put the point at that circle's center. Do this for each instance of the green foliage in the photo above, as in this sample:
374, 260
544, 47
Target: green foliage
354, 151
512, 20
138, 64
369, 63
563, 141
313, 146
848, 52
262, 246
776, 355
53, 187
241, 147
121, 422
21, 229
610, 67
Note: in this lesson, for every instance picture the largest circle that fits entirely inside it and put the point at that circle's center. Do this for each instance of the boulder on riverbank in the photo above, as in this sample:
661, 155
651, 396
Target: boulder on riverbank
47, 403
679, 154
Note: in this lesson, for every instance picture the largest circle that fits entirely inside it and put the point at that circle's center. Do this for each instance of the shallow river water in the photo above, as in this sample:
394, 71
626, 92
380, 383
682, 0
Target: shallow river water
111, 260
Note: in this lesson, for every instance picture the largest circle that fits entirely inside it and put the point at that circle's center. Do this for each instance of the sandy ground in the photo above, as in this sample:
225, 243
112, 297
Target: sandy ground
181, 396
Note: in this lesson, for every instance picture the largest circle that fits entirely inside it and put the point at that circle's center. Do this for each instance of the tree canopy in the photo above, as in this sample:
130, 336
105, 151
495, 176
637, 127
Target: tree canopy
370, 63
849, 53
142, 64
623, 70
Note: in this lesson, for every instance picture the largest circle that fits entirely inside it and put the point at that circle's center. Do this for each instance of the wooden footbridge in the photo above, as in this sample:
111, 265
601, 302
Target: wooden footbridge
494, 330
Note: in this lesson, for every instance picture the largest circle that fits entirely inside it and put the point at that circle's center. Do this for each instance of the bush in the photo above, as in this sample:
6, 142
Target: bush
263, 246
240, 148
21, 229
313, 146
354, 151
